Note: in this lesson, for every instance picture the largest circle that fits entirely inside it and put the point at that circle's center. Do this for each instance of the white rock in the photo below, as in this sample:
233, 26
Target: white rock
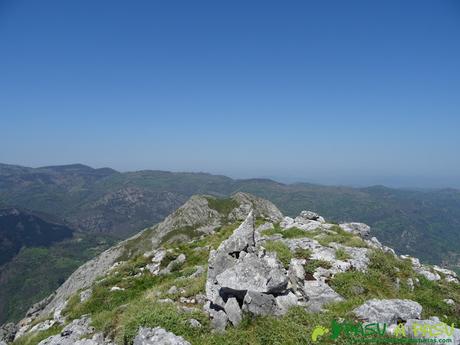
388, 310
158, 336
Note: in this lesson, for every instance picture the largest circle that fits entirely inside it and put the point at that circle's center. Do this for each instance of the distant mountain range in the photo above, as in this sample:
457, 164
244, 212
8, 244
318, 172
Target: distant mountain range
107, 204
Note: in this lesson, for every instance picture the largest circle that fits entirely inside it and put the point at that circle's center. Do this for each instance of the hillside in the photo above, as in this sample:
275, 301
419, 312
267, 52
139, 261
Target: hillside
422, 223
425, 224
236, 271
20, 228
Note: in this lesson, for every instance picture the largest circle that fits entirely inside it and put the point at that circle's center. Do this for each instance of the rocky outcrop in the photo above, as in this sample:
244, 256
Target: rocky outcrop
195, 213
318, 293
7, 332
77, 333
158, 336
307, 221
243, 277
390, 311
433, 273
261, 208
360, 229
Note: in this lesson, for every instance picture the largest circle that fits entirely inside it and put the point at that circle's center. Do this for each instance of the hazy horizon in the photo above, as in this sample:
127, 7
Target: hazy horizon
399, 182
349, 93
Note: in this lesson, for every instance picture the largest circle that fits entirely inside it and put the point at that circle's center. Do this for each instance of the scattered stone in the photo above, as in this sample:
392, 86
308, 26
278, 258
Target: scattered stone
172, 290
85, 295
199, 271
388, 311
165, 300
42, 326
157, 258
428, 274
116, 288
410, 284
449, 301
157, 336
175, 263
71, 334
194, 323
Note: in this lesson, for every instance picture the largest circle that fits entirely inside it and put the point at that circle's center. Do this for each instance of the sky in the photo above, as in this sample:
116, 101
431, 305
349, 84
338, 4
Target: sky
334, 92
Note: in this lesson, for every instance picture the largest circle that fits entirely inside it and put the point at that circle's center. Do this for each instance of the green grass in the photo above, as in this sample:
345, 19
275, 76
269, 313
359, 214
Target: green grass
380, 282
178, 234
223, 206
120, 314
282, 251
341, 237
341, 254
36, 337
291, 232
312, 265
302, 253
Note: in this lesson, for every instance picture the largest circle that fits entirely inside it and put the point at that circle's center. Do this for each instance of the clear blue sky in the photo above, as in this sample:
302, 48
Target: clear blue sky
352, 92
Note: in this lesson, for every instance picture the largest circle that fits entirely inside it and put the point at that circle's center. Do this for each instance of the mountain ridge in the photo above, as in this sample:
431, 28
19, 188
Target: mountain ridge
226, 271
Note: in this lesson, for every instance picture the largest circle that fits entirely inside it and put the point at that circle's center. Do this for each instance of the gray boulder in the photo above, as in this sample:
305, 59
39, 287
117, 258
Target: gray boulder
257, 303
388, 311
318, 294
309, 215
359, 229
226, 256
158, 336
72, 333
7, 332
255, 274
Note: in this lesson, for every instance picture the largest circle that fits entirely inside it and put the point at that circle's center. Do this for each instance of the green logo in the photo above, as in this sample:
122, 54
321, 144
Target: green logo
319, 331
357, 332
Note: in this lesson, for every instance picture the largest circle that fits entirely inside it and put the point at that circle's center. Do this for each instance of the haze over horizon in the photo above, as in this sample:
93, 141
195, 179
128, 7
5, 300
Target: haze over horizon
357, 93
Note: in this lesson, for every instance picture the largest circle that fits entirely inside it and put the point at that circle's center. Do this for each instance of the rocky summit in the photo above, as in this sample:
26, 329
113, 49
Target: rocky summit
236, 271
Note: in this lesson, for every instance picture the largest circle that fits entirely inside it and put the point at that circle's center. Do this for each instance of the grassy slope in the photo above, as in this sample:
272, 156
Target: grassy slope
423, 224
119, 314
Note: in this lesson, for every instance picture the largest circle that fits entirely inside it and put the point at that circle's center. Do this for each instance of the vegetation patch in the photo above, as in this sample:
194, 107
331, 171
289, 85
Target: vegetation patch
342, 237
36, 337
189, 232
312, 265
302, 253
223, 206
341, 254
282, 251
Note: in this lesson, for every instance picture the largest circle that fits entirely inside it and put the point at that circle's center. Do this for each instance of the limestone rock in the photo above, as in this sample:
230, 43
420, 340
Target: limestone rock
7, 332
261, 208
254, 274
233, 311
158, 336
388, 311
286, 301
360, 229
257, 303
319, 294
71, 334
